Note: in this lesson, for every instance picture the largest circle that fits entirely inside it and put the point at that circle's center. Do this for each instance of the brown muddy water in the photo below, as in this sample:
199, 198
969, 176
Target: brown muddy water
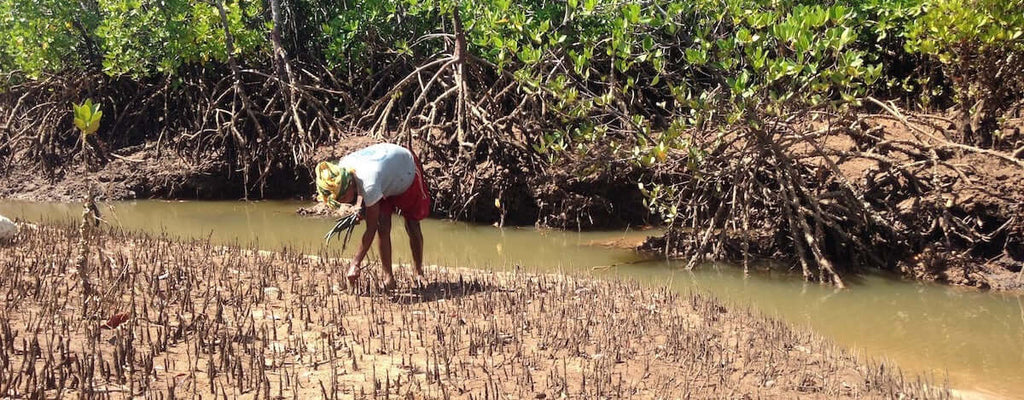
973, 339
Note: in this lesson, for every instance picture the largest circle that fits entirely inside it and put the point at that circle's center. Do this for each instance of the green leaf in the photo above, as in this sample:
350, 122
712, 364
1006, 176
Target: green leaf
94, 124
87, 117
632, 13
696, 57
589, 5
743, 36
81, 124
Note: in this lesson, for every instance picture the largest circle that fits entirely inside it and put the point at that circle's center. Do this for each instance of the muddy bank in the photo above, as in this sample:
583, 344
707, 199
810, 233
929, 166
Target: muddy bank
960, 216
143, 172
193, 319
832, 196
571, 195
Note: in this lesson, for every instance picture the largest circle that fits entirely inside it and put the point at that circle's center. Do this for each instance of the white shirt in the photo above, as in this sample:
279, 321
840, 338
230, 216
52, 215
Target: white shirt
7, 229
382, 170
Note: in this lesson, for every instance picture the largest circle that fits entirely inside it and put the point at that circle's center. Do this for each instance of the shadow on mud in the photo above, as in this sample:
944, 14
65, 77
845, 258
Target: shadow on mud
441, 290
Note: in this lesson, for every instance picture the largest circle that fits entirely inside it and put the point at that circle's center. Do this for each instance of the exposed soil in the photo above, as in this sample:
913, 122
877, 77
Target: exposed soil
574, 194
945, 212
191, 319
141, 172
972, 189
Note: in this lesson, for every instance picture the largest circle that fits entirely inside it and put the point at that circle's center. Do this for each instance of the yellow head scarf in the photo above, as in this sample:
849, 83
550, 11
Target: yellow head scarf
331, 181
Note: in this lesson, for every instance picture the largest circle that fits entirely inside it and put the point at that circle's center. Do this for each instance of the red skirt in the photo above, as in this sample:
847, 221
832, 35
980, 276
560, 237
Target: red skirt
414, 202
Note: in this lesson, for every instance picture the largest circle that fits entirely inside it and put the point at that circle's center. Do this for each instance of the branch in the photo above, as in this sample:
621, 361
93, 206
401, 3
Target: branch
946, 143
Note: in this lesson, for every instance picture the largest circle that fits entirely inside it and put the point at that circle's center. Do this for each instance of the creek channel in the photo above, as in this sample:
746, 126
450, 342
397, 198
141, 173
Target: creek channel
973, 339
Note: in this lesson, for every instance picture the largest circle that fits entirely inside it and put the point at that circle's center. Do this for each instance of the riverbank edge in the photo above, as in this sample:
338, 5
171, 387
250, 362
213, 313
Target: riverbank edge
990, 199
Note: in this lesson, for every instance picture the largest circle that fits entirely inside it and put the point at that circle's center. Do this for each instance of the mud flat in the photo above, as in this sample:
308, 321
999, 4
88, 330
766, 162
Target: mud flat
166, 319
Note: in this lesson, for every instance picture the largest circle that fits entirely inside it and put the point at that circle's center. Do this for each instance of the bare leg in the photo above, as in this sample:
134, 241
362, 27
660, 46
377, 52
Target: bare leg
384, 245
412, 227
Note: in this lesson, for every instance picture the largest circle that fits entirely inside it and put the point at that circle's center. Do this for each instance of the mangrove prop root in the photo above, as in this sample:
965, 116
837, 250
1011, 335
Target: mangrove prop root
785, 191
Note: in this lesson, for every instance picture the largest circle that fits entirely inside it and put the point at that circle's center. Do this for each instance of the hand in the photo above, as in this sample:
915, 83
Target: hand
345, 210
353, 270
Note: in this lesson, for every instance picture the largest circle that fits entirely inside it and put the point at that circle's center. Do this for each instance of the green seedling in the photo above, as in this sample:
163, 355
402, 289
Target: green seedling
87, 117
346, 224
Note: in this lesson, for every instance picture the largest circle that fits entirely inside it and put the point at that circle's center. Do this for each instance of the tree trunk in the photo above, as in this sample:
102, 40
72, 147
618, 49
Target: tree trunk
286, 77
461, 112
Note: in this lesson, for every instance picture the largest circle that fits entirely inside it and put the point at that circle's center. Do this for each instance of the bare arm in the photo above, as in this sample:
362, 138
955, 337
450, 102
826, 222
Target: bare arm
371, 216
